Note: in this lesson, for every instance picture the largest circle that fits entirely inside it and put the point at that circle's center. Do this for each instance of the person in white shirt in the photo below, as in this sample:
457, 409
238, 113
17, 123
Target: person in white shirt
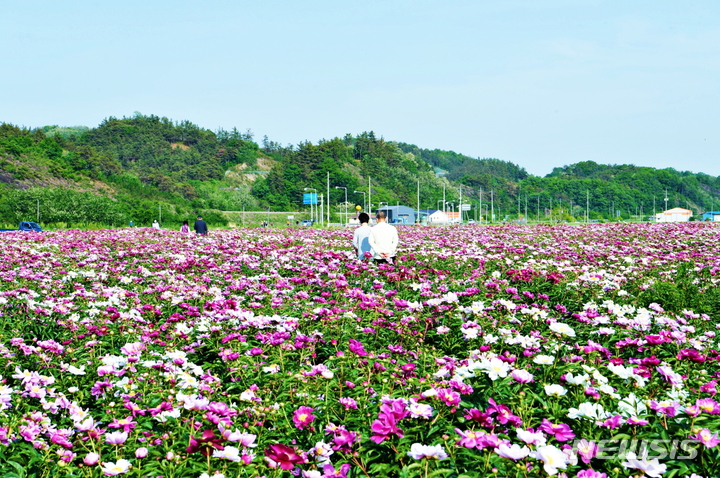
361, 236
383, 239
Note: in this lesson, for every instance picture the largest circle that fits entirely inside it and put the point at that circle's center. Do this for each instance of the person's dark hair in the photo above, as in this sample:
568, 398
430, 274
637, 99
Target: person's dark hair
380, 215
185, 223
363, 217
199, 218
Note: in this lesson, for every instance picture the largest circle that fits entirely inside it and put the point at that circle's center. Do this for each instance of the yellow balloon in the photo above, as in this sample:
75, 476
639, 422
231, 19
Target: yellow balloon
358, 208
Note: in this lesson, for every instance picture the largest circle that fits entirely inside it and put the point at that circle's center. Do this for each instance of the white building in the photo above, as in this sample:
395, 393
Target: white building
676, 214
438, 217
434, 216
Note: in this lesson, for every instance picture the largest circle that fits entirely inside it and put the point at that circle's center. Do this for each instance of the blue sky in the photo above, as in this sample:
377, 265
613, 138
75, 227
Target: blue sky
539, 83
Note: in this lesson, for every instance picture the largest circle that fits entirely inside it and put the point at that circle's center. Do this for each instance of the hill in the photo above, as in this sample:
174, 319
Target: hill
144, 167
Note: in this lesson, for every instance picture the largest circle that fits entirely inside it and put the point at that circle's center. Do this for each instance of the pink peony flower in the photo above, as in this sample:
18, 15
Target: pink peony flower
469, 438
587, 450
348, 403
303, 417
522, 376
116, 438
707, 438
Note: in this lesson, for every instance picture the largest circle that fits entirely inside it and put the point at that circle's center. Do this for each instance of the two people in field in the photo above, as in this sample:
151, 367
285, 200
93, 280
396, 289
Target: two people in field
200, 227
378, 242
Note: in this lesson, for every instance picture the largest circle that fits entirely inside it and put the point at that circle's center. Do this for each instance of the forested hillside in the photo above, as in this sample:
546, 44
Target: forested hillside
147, 167
353, 162
136, 169
604, 192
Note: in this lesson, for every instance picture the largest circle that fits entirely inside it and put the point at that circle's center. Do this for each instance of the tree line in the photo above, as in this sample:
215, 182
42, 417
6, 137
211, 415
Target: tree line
141, 167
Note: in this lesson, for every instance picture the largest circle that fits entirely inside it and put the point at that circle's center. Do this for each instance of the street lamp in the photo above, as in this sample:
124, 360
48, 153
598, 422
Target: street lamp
341, 187
311, 201
364, 199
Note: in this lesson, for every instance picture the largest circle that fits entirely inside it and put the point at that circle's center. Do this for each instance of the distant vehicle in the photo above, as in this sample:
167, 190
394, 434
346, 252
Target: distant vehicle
307, 222
25, 226
471, 221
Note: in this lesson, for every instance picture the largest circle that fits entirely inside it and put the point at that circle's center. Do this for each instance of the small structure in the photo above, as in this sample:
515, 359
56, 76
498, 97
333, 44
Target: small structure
353, 220
676, 214
453, 217
399, 214
433, 216
711, 216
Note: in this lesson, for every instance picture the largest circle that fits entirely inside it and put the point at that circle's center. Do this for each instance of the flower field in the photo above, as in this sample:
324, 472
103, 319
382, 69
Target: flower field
578, 351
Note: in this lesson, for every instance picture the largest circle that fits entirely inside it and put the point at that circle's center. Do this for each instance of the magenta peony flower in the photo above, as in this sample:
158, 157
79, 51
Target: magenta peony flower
205, 443
303, 417
590, 473
561, 431
283, 456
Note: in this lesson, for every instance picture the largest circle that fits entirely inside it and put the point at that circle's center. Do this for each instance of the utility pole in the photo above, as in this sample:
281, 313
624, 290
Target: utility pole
417, 219
328, 197
587, 207
481, 206
313, 200
369, 200
550, 207
492, 205
444, 207
460, 207
345, 188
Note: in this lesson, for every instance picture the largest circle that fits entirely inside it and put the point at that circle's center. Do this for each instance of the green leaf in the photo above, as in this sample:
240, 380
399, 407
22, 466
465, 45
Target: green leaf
440, 472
